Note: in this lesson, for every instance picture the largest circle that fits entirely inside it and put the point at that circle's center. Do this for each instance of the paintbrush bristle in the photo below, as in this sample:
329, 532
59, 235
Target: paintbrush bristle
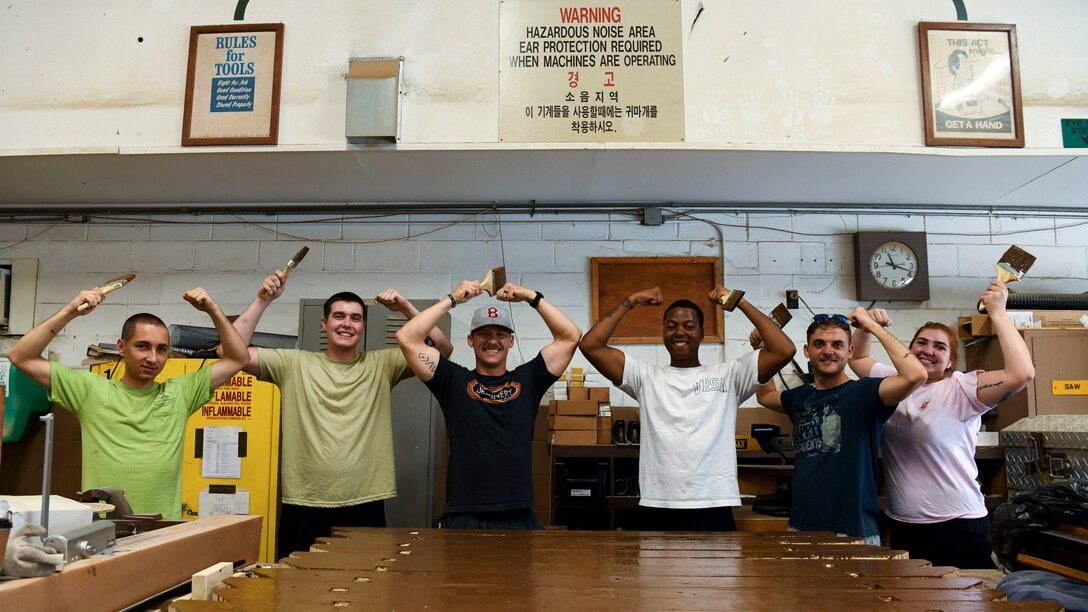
301, 253
124, 278
781, 315
500, 277
1017, 260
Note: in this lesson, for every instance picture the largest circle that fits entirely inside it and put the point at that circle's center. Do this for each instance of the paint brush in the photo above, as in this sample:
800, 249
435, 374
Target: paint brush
781, 315
493, 280
730, 300
111, 285
1011, 267
291, 265
297, 259
1014, 264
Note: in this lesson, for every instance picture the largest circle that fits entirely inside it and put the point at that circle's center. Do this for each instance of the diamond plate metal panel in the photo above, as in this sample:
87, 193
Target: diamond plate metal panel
1065, 453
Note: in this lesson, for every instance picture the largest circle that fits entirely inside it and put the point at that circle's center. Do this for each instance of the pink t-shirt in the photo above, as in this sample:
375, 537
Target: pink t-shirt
929, 451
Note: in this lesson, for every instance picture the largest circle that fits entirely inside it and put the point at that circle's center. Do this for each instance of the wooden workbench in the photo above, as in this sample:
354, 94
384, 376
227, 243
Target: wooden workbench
405, 569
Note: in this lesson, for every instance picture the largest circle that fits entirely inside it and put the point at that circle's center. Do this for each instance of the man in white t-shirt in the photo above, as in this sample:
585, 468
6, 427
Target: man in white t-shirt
688, 411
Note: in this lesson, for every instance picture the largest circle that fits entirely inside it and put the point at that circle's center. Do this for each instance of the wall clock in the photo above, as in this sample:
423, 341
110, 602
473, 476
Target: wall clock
891, 266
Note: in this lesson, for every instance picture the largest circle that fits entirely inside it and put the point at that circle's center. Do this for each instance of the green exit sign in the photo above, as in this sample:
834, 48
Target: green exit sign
1075, 133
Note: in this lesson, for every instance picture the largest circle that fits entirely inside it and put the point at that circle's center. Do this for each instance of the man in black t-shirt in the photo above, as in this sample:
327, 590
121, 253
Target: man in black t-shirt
490, 411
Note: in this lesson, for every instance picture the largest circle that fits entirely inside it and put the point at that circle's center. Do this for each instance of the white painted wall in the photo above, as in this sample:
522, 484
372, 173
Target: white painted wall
425, 256
84, 74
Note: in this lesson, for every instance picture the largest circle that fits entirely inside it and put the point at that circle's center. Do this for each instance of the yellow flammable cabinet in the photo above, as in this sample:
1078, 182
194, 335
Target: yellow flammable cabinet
232, 449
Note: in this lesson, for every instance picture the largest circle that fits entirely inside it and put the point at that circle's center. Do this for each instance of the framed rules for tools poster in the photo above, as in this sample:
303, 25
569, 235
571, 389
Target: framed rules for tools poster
572, 72
232, 86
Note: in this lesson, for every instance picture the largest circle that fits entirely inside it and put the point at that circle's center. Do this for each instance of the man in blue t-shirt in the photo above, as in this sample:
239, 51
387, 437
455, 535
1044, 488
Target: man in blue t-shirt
837, 423
490, 411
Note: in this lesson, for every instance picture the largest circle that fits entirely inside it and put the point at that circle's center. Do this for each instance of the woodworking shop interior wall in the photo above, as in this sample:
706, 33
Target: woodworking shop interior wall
424, 256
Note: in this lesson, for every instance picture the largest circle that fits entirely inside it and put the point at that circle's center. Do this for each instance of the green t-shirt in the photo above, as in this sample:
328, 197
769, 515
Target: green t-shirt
133, 438
337, 428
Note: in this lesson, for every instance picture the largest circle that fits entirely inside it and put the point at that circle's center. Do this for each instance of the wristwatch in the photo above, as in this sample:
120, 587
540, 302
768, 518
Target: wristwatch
536, 301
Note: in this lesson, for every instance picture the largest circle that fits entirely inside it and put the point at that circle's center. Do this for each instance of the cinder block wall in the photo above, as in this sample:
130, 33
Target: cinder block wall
424, 256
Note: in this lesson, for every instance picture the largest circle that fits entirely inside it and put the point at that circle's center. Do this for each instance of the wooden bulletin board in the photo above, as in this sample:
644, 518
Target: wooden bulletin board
679, 278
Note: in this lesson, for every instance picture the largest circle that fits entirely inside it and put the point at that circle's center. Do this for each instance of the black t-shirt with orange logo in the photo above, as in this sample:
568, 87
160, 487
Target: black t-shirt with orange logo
490, 422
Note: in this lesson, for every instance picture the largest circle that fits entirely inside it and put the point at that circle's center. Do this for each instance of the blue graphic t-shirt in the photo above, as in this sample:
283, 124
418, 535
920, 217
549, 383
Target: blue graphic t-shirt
836, 443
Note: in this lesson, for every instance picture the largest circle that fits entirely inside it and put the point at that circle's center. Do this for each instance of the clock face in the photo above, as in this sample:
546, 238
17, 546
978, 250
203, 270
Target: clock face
893, 265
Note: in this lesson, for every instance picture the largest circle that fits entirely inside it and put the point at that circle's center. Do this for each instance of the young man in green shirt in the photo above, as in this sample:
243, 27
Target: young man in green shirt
133, 429
336, 422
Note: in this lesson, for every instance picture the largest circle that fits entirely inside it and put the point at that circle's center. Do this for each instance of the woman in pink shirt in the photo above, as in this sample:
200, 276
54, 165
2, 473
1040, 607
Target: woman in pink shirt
936, 508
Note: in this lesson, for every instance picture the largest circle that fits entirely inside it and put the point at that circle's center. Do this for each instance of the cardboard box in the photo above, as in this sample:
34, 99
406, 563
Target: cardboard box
1045, 319
574, 438
542, 497
625, 413
577, 407
540, 426
562, 421
604, 430
578, 393
600, 394
541, 459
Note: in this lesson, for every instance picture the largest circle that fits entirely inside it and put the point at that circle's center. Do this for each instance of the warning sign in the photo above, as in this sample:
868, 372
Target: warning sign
590, 72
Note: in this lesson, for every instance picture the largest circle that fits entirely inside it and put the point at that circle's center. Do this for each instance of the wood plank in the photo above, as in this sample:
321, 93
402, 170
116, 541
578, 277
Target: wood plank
604, 571
142, 566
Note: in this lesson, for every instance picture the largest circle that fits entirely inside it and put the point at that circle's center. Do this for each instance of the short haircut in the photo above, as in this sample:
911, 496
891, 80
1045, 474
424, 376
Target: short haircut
344, 296
828, 324
684, 304
953, 344
129, 328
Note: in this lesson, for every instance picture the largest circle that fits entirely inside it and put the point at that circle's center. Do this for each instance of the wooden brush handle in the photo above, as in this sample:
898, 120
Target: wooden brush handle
107, 289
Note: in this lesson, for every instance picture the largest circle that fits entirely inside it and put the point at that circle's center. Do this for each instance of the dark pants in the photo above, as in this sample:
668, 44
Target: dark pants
523, 519
686, 519
963, 543
299, 526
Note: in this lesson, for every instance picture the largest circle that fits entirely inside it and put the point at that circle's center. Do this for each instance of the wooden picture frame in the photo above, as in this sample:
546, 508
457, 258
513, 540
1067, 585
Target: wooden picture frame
690, 278
971, 84
232, 85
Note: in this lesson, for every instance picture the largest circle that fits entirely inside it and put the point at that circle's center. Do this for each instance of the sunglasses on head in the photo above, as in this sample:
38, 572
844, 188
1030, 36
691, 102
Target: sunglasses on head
838, 318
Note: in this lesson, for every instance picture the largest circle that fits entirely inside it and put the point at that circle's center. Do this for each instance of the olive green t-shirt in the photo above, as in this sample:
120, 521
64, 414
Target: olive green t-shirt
336, 425
132, 438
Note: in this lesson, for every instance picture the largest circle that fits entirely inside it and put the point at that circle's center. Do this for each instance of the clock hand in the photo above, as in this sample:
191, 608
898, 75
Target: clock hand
892, 263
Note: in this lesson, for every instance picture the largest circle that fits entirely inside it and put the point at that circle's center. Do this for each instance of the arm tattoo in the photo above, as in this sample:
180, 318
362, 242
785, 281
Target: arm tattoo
426, 360
1006, 397
616, 310
993, 384
628, 304
428, 341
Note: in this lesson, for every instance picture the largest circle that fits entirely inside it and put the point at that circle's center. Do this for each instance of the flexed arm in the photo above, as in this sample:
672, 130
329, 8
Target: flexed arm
778, 349
412, 337
910, 374
393, 300
999, 385
594, 345
861, 363
565, 334
232, 350
26, 354
246, 323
